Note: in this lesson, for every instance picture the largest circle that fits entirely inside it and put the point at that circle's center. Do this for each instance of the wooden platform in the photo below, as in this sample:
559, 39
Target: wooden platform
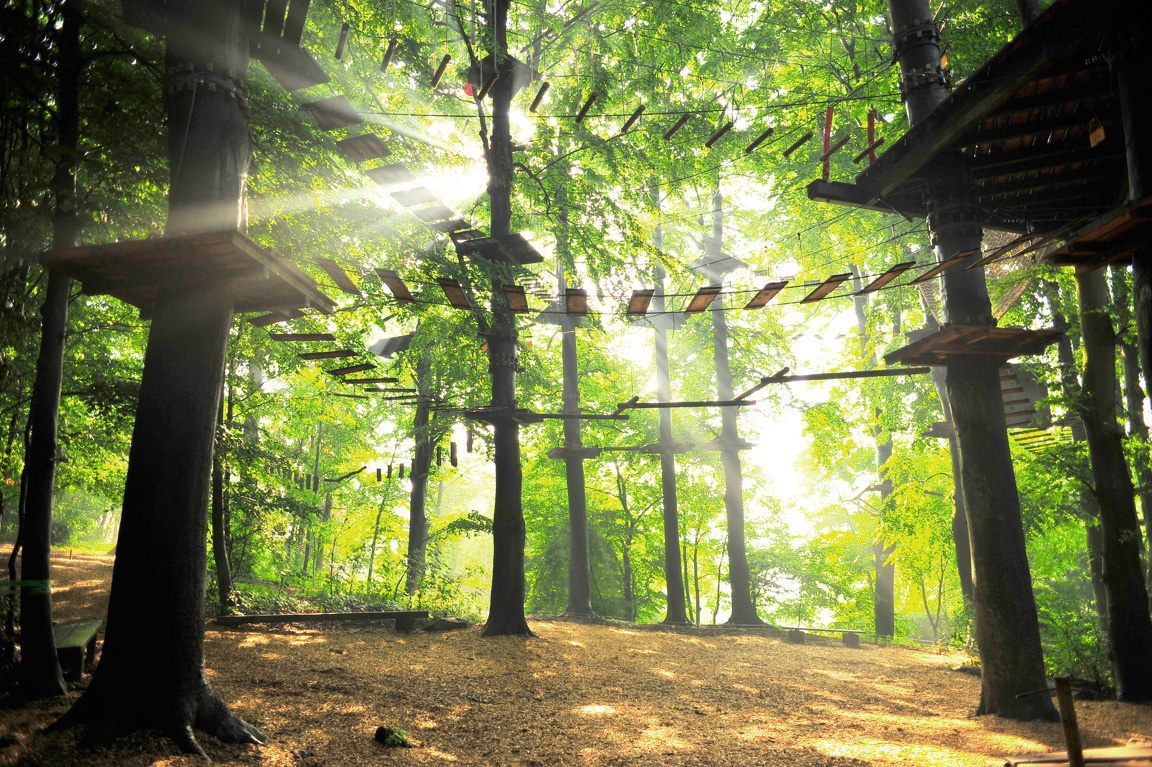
143, 272
333, 113
1110, 238
953, 340
510, 249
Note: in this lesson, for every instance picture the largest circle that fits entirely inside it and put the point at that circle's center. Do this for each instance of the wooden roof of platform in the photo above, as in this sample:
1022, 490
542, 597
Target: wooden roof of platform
1112, 237
143, 272
1037, 128
954, 340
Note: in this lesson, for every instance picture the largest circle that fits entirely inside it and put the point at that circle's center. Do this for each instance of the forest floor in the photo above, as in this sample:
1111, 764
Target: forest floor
576, 694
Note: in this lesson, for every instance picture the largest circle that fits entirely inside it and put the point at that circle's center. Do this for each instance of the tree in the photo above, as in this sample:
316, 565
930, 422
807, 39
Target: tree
143, 682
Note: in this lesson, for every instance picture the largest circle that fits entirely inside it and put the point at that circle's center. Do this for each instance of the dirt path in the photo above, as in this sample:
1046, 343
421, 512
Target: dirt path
575, 695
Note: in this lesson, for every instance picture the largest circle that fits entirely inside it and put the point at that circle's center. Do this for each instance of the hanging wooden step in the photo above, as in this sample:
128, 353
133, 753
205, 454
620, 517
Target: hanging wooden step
366, 146
302, 336
293, 67
434, 213
330, 355
451, 227
391, 175
142, 272
333, 113
825, 288
338, 275
396, 284
265, 320
1005, 343
410, 198
350, 369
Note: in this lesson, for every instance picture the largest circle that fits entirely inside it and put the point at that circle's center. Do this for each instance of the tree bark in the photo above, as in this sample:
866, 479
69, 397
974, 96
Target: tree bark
739, 576
674, 580
506, 607
421, 465
1096, 571
224, 586
151, 675
39, 673
1007, 628
1129, 624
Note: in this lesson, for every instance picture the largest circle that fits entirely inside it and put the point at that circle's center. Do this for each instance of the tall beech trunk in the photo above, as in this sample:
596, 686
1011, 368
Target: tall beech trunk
506, 606
579, 563
224, 586
961, 538
739, 576
674, 580
1129, 624
1134, 407
151, 675
1007, 628
884, 599
39, 672
421, 465
1095, 545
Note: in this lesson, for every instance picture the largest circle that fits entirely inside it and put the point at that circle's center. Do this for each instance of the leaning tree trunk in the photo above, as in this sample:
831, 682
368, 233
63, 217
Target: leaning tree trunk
1007, 626
739, 575
151, 675
421, 465
39, 673
1129, 624
506, 606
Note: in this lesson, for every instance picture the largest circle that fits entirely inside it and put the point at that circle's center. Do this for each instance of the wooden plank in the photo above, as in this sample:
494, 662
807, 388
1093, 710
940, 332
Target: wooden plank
275, 317
410, 198
352, 369
333, 113
332, 355
366, 146
825, 288
74, 633
435, 213
888, 276
294, 22
302, 336
391, 175
338, 275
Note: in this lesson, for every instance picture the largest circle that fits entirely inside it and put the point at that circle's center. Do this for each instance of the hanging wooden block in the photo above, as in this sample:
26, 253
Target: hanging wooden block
544, 86
947, 263
584, 109
370, 380
638, 304
454, 293
487, 85
823, 289
389, 471
833, 149
439, 74
439, 455
517, 300
676, 127
391, 175
632, 118
468, 445
333, 113
394, 282
869, 151
331, 355
388, 54
302, 336
576, 302
352, 369
338, 275
366, 146
452, 454
799, 143
703, 298
378, 473
766, 294
401, 471
343, 41
759, 140
719, 134
892, 273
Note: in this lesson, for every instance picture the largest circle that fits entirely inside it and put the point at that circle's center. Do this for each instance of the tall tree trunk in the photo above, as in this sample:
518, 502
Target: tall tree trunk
1007, 627
39, 674
884, 601
1095, 545
1134, 406
677, 612
506, 607
151, 675
1129, 624
224, 586
579, 562
421, 465
739, 576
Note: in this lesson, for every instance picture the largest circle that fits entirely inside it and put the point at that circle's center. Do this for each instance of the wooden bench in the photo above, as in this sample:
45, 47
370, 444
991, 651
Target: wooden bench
850, 637
405, 619
75, 645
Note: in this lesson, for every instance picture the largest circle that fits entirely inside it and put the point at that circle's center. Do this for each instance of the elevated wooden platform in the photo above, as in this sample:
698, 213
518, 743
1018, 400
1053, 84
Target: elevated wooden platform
143, 272
1110, 238
510, 249
954, 340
